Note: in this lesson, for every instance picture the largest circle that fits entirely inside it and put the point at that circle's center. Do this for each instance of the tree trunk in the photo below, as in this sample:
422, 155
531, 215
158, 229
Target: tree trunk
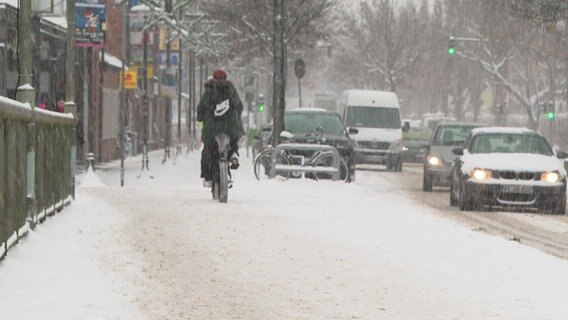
392, 84
280, 68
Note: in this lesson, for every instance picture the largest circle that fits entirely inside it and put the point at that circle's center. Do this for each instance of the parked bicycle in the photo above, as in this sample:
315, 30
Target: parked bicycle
285, 157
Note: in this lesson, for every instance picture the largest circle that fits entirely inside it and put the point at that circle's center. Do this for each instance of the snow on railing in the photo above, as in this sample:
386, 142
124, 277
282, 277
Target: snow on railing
37, 158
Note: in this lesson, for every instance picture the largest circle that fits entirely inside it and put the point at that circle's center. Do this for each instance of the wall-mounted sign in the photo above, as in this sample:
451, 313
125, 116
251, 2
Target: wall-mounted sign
130, 79
90, 22
174, 58
174, 45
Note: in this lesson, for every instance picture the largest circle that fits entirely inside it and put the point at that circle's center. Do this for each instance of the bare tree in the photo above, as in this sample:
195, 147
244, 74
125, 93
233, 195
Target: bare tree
274, 24
382, 40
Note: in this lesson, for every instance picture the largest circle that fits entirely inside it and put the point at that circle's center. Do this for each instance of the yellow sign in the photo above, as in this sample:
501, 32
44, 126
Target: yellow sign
174, 45
130, 79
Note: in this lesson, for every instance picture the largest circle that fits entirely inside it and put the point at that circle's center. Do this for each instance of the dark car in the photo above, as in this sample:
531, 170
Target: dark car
439, 157
306, 124
509, 167
415, 141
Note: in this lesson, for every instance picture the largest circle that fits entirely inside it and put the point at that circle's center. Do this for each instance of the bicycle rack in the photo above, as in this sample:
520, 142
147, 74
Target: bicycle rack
334, 169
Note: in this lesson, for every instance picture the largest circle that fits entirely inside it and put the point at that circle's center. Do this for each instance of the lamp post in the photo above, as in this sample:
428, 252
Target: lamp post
25, 91
168, 127
145, 170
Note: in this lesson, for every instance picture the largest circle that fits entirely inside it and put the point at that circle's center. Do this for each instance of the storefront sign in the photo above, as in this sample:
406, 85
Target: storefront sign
90, 21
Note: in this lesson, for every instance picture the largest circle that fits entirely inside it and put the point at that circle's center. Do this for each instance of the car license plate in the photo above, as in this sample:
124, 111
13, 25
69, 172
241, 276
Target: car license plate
298, 160
517, 189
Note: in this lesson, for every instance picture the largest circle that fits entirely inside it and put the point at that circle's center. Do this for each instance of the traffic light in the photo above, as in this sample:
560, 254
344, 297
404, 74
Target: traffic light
451, 46
550, 112
261, 107
260, 104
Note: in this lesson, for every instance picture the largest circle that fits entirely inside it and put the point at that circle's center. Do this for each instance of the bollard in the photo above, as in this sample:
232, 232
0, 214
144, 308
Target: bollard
90, 161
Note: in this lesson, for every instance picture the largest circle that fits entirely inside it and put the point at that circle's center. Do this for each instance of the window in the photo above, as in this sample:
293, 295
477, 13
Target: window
451, 135
373, 117
510, 143
306, 122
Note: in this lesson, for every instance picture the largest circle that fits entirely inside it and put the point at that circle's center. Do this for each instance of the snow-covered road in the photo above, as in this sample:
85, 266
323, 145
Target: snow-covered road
162, 249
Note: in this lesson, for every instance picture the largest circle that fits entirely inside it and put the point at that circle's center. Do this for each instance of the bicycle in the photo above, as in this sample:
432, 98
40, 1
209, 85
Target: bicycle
221, 172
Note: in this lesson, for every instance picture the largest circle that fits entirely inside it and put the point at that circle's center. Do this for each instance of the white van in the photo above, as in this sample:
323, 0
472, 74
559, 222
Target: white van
376, 114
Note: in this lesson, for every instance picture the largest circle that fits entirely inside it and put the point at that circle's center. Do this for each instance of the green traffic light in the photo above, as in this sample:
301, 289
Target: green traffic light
550, 115
261, 107
451, 51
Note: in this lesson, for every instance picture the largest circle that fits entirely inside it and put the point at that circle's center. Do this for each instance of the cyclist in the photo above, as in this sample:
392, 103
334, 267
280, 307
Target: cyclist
220, 109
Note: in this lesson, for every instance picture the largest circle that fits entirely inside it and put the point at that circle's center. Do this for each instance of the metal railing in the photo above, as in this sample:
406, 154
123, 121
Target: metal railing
333, 169
37, 167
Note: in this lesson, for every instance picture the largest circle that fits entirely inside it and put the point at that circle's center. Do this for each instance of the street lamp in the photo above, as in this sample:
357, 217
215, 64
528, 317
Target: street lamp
143, 9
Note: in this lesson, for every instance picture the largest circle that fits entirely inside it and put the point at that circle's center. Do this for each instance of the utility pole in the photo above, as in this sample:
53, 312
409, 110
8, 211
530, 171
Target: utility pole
25, 92
180, 88
70, 105
124, 94
168, 98
145, 160
191, 92
91, 111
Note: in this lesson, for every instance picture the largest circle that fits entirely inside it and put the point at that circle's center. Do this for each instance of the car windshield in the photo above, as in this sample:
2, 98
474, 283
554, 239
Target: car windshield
306, 122
510, 143
417, 134
451, 135
373, 117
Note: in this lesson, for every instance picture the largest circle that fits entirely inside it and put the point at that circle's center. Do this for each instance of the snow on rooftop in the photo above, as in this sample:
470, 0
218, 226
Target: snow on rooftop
307, 110
144, 7
57, 20
13, 3
513, 130
112, 61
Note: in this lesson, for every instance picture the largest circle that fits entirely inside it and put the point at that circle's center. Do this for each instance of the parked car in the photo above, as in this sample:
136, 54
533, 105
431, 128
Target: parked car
302, 123
508, 167
439, 156
415, 141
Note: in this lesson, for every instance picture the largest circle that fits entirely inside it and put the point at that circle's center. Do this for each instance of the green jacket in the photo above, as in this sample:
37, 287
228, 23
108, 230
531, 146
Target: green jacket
220, 109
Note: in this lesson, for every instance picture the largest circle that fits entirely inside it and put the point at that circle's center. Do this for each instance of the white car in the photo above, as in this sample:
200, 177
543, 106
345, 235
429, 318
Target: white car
509, 167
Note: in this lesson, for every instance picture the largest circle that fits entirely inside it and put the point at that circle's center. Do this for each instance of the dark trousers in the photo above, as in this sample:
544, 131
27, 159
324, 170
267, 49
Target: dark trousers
209, 157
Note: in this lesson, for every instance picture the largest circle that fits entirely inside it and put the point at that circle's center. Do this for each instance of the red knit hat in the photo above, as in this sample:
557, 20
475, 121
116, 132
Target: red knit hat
220, 75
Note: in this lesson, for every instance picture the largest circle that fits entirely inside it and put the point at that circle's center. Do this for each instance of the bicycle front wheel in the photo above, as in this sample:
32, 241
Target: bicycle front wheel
263, 162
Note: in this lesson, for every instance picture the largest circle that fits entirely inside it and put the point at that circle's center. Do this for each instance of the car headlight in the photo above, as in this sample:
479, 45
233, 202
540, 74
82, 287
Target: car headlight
551, 177
481, 174
434, 161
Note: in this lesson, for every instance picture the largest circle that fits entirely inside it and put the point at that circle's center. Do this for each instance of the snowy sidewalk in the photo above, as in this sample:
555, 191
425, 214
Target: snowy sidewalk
162, 249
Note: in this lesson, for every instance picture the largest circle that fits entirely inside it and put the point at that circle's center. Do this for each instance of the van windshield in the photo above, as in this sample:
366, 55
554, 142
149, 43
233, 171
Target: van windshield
372, 117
